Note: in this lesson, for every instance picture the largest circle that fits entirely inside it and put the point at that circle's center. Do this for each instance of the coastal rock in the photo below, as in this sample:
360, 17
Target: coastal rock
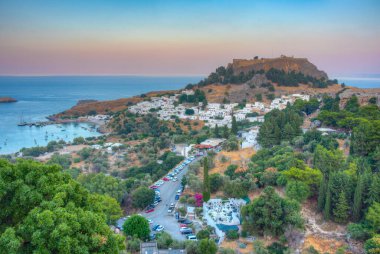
7, 100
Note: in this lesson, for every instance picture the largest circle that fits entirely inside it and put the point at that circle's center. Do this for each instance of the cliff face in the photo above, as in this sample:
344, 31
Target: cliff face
282, 63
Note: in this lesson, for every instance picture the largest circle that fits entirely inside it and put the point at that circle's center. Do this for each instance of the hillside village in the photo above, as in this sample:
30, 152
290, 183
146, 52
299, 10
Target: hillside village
167, 108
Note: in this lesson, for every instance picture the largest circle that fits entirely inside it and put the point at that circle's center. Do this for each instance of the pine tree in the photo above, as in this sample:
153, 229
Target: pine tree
341, 210
374, 191
234, 128
288, 132
206, 181
358, 199
226, 133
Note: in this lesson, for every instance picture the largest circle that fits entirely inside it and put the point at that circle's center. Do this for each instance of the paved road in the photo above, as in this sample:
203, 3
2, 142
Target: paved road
160, 215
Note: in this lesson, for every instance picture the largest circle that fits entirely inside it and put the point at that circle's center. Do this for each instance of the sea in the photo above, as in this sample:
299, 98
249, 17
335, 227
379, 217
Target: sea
39, 97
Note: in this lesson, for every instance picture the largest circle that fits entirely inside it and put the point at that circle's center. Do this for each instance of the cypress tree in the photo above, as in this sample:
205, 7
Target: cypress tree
327, 207
216, 131
358, 199
234, 128
322, 194
206, 181
341, 210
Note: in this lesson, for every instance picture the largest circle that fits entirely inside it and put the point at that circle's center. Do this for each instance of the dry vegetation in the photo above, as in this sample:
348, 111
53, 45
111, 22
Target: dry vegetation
239, 158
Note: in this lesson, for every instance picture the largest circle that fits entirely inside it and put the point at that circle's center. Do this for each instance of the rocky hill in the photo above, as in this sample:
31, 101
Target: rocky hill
284, 63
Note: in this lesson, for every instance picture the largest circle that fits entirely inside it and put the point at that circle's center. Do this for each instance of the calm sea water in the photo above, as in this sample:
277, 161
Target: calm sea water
39, 97
372, 81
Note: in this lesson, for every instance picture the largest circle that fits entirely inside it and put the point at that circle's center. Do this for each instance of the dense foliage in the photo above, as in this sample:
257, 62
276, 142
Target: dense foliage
155, 169
103, 184
43, 210
279, 125
293, 78
270, 214
198, 96
137, 226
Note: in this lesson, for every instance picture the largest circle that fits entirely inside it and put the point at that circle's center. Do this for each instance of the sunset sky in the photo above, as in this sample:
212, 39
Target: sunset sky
94, 37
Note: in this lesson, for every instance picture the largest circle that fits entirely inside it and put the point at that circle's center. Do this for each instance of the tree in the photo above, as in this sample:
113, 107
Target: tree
164, 240
63, 160
137, 226
206, 181
234, 127
107, 205
372, 100
208, 246
44, 210
358, 199
216, 182
203, 234
270, 214
189, 111
327, 204
216, 131
310, 176
9, 241
230, 171
259, 247
279, 125
373, 216
372, 246
232, 234
352, 104
102, 184
297, 190
226, 132
342, 208
358, 231
142, 197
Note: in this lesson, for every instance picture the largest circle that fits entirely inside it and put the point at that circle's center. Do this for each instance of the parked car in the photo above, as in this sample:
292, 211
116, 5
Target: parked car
149, 210
187, 222
181, 220
150, 221
158, 228
176, 197
186, 231
192, 238
153, 187
165, 179
170, 210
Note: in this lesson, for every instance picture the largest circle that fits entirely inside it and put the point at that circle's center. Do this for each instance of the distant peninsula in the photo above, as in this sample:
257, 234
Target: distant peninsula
7, 100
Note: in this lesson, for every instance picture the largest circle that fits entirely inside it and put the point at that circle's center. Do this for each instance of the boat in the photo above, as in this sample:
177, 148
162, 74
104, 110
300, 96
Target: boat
22, 121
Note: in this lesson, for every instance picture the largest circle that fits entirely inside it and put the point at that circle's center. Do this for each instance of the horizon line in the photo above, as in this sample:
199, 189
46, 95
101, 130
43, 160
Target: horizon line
103, 75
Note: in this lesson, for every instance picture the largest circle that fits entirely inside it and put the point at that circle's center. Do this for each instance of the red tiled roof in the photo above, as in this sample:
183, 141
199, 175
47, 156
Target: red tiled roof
200, 146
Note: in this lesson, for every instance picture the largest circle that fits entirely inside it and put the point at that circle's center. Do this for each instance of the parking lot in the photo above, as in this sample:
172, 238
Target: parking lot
160, 214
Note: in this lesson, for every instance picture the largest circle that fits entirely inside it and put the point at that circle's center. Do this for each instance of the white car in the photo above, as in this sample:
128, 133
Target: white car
160, 228
174, 179
192, 238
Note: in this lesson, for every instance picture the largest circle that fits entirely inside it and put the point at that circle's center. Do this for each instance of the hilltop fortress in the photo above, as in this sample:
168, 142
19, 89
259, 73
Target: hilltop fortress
285, 63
